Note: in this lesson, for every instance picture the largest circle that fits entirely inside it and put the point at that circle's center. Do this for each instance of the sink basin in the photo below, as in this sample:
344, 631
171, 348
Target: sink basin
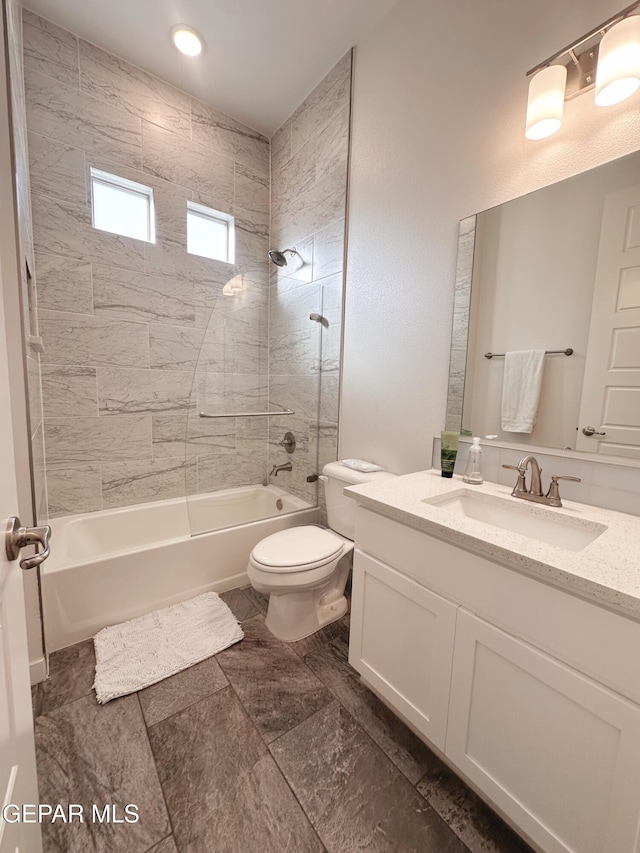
526, 519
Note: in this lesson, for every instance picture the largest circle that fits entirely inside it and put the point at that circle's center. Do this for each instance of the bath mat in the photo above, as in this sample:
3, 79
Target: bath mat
145, 650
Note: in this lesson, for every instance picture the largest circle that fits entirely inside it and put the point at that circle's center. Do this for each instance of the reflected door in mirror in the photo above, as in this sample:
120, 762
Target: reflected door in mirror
611, 389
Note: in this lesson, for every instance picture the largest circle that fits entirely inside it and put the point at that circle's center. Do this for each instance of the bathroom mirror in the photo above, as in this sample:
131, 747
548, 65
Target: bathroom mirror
557, 269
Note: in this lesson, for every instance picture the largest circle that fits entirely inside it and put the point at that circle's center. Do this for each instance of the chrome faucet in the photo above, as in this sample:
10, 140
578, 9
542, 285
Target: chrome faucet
277, 468
534, 493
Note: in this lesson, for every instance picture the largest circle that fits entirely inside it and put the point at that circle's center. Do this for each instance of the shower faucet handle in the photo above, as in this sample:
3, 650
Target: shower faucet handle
288, 442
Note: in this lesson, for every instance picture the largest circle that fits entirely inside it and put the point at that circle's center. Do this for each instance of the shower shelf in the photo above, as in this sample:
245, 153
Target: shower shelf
249, 414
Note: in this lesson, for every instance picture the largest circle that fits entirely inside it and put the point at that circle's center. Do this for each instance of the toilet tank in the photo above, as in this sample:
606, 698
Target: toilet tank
341, 510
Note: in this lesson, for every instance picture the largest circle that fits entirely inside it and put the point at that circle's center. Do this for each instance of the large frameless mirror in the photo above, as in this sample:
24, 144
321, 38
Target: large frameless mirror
555, 270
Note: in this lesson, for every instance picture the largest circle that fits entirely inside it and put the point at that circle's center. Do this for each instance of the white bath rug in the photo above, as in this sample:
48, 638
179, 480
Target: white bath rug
145, 650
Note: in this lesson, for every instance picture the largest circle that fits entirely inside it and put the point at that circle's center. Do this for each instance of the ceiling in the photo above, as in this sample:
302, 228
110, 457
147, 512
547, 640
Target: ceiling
262, 57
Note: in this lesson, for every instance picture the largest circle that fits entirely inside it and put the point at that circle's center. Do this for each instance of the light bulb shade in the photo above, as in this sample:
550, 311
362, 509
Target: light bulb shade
187, 40
618, 73
546, 102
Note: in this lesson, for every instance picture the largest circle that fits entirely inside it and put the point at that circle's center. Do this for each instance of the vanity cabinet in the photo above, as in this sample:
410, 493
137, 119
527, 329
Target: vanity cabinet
403, 644
555, 751
531, 694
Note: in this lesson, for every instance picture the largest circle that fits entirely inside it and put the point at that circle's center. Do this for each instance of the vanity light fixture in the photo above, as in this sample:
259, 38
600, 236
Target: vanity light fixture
187, 40
618, 74
546, 102
607, 58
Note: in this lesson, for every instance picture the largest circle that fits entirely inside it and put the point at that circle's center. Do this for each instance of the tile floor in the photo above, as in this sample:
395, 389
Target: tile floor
268, 747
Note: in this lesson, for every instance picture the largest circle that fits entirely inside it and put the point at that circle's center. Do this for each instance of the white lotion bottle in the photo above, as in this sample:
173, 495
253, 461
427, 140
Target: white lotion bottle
473, 474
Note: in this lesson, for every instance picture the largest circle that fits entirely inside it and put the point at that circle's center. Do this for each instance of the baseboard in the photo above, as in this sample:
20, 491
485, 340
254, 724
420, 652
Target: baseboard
235, 582
38, 670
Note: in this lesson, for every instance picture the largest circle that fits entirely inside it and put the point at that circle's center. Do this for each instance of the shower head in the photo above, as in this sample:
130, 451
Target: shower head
278, 258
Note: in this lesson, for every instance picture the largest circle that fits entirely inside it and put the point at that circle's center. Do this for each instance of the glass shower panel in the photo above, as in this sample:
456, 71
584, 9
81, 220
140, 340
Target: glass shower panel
252, 384
295, 350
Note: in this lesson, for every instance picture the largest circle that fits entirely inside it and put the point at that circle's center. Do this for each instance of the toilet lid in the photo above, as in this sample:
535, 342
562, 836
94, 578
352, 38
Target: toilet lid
297, 547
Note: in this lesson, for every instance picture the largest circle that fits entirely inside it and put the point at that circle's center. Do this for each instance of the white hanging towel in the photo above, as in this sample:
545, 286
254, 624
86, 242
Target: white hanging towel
521, 389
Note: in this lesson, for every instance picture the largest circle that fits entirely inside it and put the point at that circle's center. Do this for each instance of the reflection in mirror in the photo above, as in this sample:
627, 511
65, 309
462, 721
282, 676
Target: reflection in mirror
556, 269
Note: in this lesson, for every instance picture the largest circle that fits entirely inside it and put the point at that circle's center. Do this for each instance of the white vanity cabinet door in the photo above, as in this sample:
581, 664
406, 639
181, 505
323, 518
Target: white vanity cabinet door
401, 642
555, 751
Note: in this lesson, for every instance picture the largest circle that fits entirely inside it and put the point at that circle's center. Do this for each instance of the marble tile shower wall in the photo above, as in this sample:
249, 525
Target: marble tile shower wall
309, 171
25, 236
126, 325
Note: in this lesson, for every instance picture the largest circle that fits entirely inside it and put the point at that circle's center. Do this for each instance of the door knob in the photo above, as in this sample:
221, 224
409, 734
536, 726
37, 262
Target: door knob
589, 430
18, 537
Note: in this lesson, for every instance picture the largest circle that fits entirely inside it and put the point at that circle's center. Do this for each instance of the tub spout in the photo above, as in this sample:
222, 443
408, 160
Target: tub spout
277, 468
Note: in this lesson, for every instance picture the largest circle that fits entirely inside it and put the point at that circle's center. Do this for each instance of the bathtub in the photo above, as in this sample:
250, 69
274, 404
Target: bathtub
113, 565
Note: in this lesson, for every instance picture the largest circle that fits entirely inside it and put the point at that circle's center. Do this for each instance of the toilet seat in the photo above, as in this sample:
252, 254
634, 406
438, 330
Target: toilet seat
297, 549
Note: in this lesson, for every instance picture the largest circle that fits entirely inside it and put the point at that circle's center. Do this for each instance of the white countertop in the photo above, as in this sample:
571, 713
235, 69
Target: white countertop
607, 570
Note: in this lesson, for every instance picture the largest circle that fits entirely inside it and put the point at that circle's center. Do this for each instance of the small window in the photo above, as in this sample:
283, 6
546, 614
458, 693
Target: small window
210, 233
122, 207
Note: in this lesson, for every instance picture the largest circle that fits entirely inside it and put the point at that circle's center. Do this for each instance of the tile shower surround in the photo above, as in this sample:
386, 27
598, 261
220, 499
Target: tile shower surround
137, 336
268, 746
125, 323
309, 162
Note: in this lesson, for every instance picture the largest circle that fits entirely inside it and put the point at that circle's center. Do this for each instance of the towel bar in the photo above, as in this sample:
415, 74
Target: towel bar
567, 351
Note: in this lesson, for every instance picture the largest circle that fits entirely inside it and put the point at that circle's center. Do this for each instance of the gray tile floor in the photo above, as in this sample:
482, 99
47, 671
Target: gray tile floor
268, 747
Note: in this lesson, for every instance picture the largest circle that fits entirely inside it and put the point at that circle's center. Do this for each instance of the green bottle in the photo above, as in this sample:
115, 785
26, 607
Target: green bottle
448, 451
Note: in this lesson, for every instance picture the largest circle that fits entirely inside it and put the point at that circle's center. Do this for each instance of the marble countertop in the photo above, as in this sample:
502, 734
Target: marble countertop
606, 570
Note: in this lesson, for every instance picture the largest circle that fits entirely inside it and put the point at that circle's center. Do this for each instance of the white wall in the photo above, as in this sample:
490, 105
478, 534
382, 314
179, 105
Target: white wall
438, 118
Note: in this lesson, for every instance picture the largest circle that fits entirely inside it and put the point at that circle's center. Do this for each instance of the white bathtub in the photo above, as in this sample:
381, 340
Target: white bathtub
113, 565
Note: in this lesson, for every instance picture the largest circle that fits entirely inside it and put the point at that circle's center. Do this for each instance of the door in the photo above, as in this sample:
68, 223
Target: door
401, 642
18, 784
552, 749
611, 389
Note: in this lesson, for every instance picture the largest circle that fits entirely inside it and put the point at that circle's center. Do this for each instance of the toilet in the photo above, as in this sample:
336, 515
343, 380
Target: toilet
304, 570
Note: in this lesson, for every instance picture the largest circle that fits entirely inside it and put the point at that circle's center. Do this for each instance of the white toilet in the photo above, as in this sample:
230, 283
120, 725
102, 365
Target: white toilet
304, 570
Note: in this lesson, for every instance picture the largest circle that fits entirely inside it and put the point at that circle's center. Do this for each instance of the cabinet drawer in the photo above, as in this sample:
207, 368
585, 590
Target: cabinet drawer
401, 642
556, 752
603, 644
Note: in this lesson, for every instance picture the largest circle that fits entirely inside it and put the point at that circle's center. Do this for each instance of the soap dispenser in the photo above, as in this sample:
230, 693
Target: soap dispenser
473, 474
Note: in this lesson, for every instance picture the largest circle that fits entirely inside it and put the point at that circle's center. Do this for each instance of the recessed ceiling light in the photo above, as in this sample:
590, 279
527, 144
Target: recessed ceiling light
187, 40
